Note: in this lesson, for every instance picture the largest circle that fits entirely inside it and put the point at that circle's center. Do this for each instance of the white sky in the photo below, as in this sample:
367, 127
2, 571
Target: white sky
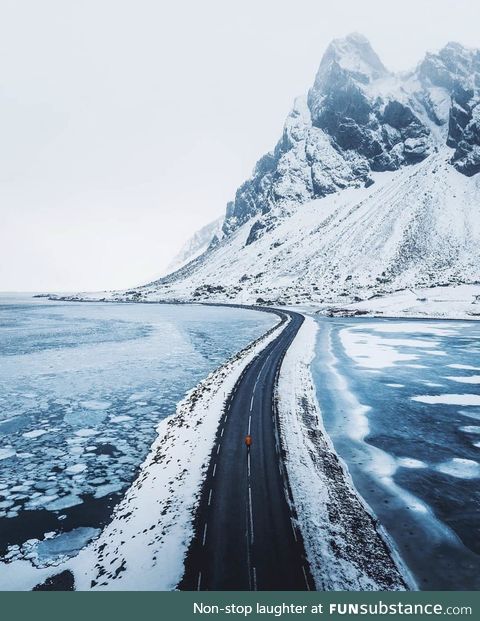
127, 125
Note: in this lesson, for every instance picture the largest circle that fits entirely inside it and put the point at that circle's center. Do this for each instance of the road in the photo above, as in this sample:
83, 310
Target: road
245, 533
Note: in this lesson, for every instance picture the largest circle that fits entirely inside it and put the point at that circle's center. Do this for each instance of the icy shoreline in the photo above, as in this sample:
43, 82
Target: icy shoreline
345, 546
441, 302
144, 545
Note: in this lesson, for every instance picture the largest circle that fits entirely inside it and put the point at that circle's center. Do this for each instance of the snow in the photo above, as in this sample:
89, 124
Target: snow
64, 545
95, 405
36, 433
470, 429
448, 399
410, 462
196, 245
470, 379
460, 468
76, 468
353, 243
71, 500
372, 352
144, 546
5, 453
304, 229
376, 351
348, 553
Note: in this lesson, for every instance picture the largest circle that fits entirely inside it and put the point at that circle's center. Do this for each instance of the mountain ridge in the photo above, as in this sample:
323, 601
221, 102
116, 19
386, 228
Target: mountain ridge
359, 129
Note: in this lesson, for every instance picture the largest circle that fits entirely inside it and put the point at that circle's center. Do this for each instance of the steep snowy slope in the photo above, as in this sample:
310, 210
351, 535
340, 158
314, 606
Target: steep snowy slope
373, 187
418, 226
208, 235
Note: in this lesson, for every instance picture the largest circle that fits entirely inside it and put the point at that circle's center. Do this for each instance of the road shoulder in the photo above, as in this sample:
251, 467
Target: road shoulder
342, 539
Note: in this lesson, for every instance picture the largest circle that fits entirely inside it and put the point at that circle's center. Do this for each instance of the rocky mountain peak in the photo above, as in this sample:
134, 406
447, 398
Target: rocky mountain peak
359, 119
319, 218
453, 64
353, 55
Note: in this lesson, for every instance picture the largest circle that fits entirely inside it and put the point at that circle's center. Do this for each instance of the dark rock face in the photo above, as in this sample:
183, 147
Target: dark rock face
464, 130
387, 134
457, 69
357, 119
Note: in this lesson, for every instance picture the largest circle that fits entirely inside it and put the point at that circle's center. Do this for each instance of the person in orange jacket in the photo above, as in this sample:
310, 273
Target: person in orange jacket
248, 440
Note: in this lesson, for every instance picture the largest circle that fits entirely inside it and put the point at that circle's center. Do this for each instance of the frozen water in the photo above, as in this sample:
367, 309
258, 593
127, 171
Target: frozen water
70, 500
450, 399
36, 433
465, 379
95, 405
5, 453
471, 429
65, 544
409, 462
412, 455
460, 468
82, 389
76, 468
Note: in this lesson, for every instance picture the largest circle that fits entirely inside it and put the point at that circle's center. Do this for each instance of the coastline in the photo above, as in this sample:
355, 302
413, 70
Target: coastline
339, 530
132, 539
151, 526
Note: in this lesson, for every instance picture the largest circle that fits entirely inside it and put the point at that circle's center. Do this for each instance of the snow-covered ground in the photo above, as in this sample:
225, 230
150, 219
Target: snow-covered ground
453, 302
345, 547
144, 545
408, 244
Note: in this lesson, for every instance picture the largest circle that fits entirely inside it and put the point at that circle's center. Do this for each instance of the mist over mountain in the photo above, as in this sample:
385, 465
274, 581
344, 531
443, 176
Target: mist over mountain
208, 235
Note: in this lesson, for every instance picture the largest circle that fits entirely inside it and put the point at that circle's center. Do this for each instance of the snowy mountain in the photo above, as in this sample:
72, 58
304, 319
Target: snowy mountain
207, 236
372, 187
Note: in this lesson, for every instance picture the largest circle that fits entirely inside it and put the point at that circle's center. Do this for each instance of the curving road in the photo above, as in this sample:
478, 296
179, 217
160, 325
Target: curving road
245, 533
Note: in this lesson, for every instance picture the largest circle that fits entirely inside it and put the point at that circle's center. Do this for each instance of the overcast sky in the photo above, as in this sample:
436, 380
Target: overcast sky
127, 125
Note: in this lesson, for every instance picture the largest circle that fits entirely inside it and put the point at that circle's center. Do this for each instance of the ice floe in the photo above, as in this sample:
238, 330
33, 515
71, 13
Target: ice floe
467, 379
36, 433
460, 468
447, 399
5, 453
410, 462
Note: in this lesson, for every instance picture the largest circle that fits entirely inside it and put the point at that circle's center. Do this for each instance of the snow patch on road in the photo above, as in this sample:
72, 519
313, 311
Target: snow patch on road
344, 548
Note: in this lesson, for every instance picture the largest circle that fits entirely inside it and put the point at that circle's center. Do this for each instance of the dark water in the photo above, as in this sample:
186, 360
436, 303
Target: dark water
82, 389
401, 401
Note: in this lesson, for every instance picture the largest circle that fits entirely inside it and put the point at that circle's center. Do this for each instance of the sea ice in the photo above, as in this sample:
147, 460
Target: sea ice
65, 544
95, 405
460, 468
63, 503
36, 433
105, 490
409, 462
471, 429
86, 433
5, 453
466, 399
467, 379
76, 468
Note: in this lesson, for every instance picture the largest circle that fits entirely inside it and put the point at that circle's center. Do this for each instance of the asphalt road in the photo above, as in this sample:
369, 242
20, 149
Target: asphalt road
245, 533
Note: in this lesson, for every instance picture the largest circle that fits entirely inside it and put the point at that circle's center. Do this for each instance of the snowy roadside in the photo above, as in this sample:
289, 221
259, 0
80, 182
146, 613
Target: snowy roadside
144, 545
345, 547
